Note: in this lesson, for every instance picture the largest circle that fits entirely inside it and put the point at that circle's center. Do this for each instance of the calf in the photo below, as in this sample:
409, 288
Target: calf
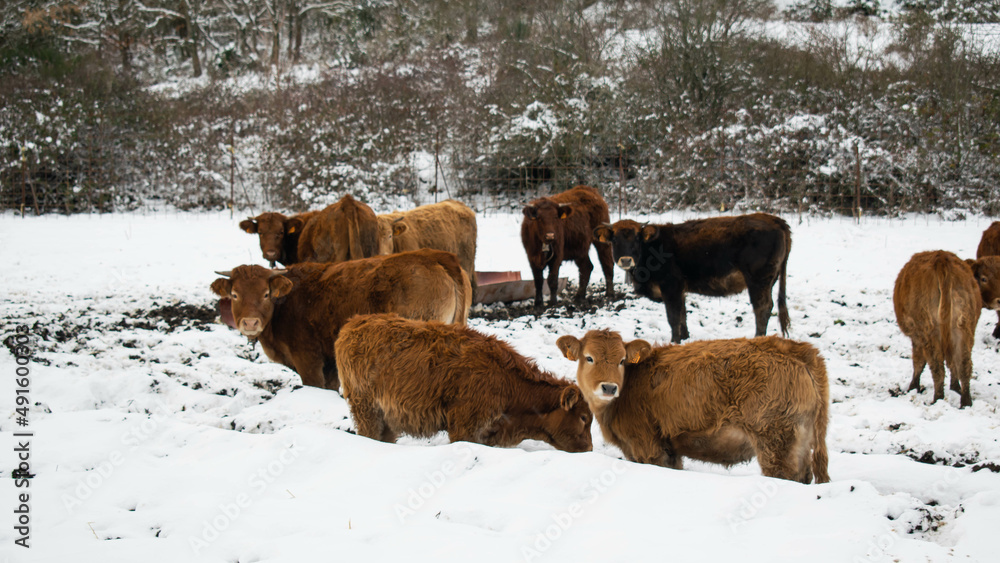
449, 225
419, 378
721, 401
297, 313
718, 257
560, 228
279, 235
989, 245
346, 230
938, 302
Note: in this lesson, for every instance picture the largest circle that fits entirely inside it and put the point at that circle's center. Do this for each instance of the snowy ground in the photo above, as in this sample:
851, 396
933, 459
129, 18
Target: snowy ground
160, 435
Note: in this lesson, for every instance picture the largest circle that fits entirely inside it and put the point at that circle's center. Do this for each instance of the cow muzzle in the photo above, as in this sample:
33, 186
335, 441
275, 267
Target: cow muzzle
550, 236
626, 263
251, 327
995, 304
608, 391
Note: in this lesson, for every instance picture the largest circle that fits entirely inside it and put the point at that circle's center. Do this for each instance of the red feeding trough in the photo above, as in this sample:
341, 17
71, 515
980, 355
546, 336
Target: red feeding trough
507, 287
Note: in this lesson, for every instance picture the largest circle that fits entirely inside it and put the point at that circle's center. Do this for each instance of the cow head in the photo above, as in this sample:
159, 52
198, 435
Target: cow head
601, 356
987, 273
626, 238
252, 290
568, 426
272, 229
547, 219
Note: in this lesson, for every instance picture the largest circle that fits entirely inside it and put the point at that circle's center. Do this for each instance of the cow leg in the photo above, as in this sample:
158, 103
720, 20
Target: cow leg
777, 454
675, 308
538, 274
607, 260
762, 303
684, 319
996, 331
918, 367
586, 266
960, 366
369, 420
554, 283
462, 424
937, 372
310, 369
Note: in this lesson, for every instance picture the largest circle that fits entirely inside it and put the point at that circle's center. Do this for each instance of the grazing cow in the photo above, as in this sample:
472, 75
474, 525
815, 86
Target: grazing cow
938, 303
718, 257
346, 230
989, 245
413, 377
720, 401
279, 235
297, 313
560, 228
449, 225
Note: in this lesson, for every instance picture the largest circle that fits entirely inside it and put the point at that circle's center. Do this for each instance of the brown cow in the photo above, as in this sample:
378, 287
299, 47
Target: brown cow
937, 303
560, 228
419, 378
297, 313
721, 401
718, 256
989, 245
449, 225
279, 235
346, 230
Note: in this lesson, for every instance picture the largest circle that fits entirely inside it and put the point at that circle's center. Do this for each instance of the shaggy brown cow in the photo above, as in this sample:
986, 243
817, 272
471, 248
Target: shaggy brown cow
279, 235
937, 303
721, 401
560, 228
449, 225
419, 378
989, 245
297, 313
346, 230
718, 257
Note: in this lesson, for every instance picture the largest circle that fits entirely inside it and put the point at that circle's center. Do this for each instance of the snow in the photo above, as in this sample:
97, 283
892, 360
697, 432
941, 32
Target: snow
158, 440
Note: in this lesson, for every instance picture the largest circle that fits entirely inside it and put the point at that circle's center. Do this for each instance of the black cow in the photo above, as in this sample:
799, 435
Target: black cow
717, 257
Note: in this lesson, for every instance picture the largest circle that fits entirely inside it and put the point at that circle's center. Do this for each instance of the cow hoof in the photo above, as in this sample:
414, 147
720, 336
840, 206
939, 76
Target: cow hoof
996, 331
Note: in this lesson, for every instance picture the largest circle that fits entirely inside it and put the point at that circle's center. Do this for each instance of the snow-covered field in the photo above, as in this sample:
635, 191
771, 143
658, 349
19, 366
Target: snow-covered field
160, 435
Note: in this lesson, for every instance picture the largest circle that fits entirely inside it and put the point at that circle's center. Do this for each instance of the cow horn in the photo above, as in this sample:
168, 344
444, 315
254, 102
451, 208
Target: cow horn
277, 273
226, 274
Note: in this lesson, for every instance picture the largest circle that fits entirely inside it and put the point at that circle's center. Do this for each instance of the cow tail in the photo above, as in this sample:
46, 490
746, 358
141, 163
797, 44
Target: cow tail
817, 370
783, 319
463, 297
945, 307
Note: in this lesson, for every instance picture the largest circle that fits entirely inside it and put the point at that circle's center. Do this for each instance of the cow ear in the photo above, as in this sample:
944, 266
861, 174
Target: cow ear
279, 285
398, 228
293, 225
222, 287
531, 212
565, 210
570, 347
974, 264
603, 232
249, 225
637, 350
649, 232
569, 397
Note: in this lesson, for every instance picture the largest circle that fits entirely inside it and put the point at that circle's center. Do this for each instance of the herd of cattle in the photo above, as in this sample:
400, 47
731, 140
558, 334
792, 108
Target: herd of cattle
375, 306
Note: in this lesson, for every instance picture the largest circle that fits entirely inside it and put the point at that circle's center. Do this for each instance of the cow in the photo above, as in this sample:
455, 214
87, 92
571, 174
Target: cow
449, 225
402, 376
720, 401
296, 314
279, 235
938, 298
346, 230
561, 228
989, 245
717, 257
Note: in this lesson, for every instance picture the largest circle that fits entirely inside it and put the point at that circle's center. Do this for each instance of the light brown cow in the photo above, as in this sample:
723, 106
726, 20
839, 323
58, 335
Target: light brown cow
989, 245
297, 313
346, 230
721, 401
449, 225
419, 378
937, 303
279, 235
